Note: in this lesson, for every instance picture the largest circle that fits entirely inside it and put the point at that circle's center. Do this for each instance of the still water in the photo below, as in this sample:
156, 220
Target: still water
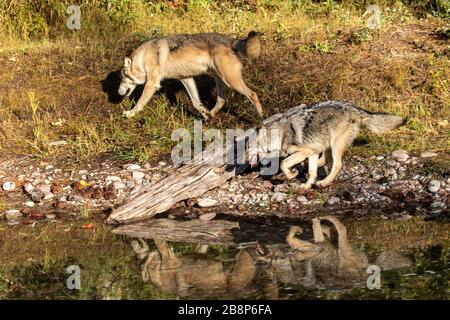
320, 258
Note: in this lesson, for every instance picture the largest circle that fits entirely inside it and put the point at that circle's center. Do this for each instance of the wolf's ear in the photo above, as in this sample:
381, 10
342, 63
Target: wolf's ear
127, 63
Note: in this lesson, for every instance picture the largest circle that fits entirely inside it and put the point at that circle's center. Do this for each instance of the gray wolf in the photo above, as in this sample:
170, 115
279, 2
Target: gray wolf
328, 259
308, 131
193, 274
324, 260
184, 56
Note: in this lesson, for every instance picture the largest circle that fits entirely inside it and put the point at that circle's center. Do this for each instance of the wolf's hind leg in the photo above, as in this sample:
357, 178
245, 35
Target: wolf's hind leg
337, 152
220, 97
191, 88
229, 67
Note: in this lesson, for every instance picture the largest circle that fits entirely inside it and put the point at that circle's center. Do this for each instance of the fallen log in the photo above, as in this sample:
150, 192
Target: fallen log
203, 173
194, 231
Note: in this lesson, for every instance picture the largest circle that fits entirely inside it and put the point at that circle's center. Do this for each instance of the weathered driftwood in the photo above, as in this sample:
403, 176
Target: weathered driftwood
189, 181
195, 231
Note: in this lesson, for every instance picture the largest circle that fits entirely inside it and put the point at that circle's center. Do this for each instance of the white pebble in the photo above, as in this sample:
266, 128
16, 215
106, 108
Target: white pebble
206, 202
434, 186
9, 186
138, 175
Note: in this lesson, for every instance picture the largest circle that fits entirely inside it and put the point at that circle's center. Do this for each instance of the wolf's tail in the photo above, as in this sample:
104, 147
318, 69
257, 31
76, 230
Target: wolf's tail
249, 47
380, 122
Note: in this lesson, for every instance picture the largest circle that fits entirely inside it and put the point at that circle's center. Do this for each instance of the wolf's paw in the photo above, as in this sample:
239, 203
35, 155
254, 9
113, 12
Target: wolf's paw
323, 184
129, 114
305, 186
291, 174
207, 116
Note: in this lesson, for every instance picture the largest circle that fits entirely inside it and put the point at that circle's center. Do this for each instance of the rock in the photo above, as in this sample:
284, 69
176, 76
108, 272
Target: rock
404, 217
37, 196
28, 187
55, 189
44, 188
267, 184
97, 193
118, 185
132, 167
332, 203
428, 154
434, 186
13, 215
29, 204
113, 178
301, 199
379, 158
207, 216
60, 205
207, 202
48, 196
278, 196
138, 175
391, 163
109, 195
9, 186
400, 155
34, 214
87, 192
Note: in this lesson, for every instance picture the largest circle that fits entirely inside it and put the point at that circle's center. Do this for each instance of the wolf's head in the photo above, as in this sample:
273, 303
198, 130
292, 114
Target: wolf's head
266, 144
132, 74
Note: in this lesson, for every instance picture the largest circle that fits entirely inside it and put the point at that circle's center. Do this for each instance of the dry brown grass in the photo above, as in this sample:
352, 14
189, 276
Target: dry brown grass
310, 54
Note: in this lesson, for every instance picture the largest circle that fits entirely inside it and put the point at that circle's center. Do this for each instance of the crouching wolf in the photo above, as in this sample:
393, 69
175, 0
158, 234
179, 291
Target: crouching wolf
184, 56
308, 131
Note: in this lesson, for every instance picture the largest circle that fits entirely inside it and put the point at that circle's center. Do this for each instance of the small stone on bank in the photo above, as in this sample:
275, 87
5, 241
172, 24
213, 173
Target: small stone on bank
332, 203
13, 214
138, 175
207, 202
428, 154
9, 186
434, 186
400, 155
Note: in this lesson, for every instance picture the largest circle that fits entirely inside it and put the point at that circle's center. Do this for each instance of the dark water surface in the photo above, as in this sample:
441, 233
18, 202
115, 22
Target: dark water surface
412, 258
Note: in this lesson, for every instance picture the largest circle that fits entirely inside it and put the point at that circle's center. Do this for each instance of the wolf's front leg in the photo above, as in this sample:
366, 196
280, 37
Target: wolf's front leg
289, 162
191, 88
147, 94
312, 171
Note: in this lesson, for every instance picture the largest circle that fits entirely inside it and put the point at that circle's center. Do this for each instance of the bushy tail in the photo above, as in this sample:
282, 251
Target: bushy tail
380, 123
249, 47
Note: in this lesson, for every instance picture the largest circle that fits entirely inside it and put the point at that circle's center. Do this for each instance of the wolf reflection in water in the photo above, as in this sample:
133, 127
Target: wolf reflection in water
329, 260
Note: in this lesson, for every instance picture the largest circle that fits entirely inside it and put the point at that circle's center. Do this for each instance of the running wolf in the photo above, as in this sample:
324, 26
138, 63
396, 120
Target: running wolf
184, 56
307, 131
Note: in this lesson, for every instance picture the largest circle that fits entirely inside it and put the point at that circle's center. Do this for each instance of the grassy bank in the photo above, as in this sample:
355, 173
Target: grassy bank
52, 78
